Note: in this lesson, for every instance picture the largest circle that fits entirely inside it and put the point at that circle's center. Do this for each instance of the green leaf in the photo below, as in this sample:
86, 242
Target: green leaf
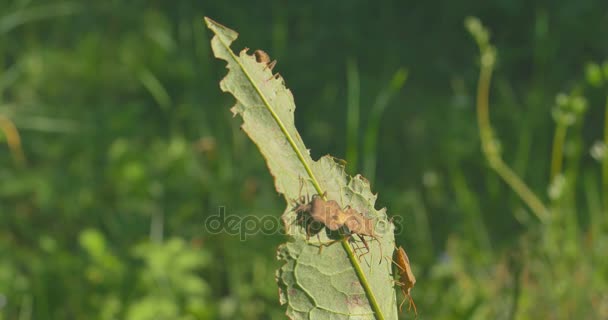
335, 283
593, 73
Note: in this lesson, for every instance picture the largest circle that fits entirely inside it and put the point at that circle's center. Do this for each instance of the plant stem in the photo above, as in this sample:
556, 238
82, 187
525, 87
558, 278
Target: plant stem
490, 148
363, 279
352, 114
605, 161
522, 190
12, 139
558, 150
370, 140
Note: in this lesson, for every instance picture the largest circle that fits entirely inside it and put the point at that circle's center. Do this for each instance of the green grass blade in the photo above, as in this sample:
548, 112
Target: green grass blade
353, 107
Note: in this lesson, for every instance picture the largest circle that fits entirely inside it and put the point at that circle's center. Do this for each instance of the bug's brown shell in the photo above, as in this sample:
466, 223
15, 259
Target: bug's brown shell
406, 275
407, 280
357, 223
261, 56
327, 212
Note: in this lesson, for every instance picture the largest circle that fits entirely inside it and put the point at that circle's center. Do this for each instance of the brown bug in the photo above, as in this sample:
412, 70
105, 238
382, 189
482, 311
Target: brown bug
329, 213
306, 206
263, 57
317, 209
407, 280
362, 226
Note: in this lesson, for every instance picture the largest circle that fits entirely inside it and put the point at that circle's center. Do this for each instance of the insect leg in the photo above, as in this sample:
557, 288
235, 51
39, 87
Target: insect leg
405, 295
412, 304
380, 245
270, 65
327, 244
276, 76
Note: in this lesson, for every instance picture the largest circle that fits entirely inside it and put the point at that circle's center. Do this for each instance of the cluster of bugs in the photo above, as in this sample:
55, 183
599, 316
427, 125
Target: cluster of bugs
315, 212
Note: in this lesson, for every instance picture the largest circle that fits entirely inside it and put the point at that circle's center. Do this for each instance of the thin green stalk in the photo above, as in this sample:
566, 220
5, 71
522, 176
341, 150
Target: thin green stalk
593, 198
26, 309
20, 17
352, 114
13, 139
483, 117
370, 140
559, 139
605, 160
572, 173
363, 279
522, 190
156, 88
490, 149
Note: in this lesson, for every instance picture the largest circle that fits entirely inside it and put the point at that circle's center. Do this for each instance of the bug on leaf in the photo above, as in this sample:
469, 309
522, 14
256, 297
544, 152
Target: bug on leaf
314, 212
263, 57
328, 213
407, 280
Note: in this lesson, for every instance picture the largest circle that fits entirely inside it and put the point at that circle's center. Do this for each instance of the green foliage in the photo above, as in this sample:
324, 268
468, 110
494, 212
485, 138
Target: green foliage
179, 294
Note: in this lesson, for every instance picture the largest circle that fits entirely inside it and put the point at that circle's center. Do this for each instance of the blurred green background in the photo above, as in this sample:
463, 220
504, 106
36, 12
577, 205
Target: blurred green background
116, 143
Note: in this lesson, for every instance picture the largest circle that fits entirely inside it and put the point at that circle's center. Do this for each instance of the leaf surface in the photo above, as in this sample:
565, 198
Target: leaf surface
336, 283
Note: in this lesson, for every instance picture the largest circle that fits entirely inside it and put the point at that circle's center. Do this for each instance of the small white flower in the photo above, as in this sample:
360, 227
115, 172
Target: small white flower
598, 150
557, 187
